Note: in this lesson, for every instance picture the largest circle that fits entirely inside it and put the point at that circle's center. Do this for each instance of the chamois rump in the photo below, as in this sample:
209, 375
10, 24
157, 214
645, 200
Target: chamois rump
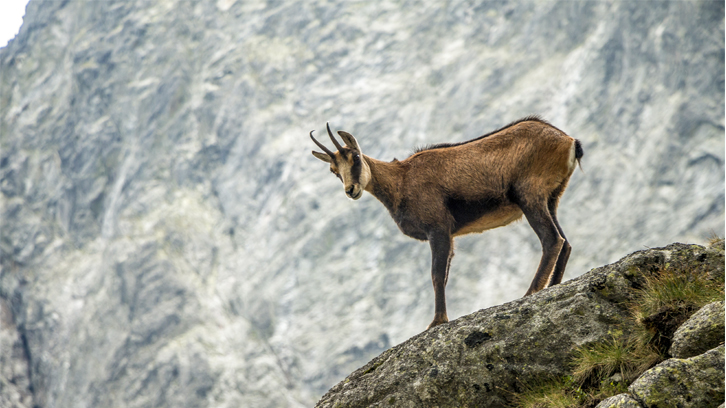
451, 189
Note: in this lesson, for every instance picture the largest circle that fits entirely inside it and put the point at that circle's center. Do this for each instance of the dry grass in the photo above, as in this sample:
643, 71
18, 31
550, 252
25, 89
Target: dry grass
556, 393
714, 239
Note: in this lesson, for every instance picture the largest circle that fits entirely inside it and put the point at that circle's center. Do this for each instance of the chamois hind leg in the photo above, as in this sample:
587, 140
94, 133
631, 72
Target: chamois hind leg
541, 221
441, 253
564, 256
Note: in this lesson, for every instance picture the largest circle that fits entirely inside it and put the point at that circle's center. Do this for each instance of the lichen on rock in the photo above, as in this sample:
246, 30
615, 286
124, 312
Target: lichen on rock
619, 401
696, 382
702, 332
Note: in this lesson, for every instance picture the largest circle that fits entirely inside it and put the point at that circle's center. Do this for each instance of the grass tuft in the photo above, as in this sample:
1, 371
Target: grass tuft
556, 393
672, 287
625, 356
714, 239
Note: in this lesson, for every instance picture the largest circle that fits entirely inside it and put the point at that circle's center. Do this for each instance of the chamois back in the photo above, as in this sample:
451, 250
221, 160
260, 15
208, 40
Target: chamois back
534, 118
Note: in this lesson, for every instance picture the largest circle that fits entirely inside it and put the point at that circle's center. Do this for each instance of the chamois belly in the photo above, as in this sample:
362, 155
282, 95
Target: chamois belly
494, 218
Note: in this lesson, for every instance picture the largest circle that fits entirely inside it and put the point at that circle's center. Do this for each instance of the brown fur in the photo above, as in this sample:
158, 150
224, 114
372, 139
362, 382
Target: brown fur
448, 190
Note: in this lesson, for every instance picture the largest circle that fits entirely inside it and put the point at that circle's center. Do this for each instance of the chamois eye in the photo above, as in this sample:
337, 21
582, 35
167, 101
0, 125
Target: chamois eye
356, 158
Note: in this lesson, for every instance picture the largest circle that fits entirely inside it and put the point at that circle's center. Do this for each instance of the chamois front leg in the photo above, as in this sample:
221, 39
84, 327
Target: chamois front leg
441, 253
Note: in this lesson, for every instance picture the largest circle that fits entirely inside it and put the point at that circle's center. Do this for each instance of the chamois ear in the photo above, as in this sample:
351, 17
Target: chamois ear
349, 140
322, 156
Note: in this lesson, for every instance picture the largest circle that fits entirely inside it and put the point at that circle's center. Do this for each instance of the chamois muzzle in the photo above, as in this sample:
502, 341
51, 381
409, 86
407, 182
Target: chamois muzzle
354, 192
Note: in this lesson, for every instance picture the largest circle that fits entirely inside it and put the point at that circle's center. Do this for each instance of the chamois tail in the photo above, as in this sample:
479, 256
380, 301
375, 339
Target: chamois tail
578, 153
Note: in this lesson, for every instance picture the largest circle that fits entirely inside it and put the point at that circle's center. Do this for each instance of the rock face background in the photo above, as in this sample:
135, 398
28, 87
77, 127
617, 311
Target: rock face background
167, 239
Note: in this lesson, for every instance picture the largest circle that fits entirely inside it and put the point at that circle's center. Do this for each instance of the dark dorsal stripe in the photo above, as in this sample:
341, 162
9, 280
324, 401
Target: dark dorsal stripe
444, 145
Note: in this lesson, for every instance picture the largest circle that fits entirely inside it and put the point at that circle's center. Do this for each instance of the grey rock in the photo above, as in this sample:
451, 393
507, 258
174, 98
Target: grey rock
700, 333
167, 239
15, 391
692, 382
485, 358
619, 401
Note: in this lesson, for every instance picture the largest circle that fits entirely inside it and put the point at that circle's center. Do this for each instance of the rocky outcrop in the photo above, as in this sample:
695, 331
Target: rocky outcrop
487, 358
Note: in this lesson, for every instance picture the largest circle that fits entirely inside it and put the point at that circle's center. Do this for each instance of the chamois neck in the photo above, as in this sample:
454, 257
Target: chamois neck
385, 181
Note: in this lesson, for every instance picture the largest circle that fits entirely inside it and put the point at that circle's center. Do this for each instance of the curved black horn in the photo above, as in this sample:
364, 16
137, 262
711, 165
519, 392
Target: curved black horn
335, 142
320, 145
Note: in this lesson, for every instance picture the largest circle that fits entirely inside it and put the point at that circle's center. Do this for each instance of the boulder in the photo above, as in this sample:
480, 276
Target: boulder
619, 401
696, 382
702, 332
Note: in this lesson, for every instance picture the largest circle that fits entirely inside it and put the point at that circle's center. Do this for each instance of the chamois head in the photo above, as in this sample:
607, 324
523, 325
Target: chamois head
348, 163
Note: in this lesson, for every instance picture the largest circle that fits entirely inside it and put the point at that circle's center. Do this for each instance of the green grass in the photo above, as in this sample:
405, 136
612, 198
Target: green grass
619, 355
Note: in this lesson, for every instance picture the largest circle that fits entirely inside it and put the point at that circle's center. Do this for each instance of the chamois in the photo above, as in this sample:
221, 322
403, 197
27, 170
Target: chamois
451, 189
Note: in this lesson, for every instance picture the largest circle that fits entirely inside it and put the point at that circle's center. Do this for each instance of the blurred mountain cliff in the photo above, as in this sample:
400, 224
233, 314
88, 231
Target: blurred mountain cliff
166, 238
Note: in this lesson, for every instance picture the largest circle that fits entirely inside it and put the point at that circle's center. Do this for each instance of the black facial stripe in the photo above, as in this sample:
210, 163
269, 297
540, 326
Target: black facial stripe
355, 171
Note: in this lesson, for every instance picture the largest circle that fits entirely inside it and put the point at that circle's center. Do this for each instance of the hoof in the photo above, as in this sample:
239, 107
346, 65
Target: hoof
438, 319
